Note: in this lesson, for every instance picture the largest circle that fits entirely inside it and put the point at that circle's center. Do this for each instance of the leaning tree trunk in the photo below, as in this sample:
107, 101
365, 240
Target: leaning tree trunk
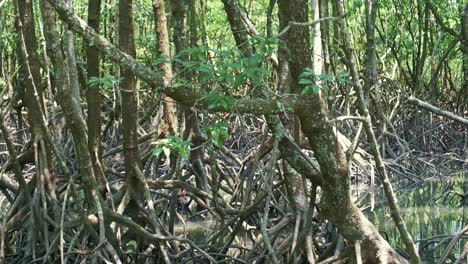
336, 203
367, 124
71, 107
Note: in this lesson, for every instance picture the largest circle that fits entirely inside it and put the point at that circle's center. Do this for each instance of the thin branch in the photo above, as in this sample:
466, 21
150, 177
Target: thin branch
439, 19
437, 110
452, 244
306, 24
184, 95
129, 223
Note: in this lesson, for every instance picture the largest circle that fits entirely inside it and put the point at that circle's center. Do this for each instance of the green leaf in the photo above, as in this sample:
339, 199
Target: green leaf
315, 88
156, 151
93, 81
311, 88
217, 100
325, 77
171, 143
308, 72
218, 132
205, 68
305, 81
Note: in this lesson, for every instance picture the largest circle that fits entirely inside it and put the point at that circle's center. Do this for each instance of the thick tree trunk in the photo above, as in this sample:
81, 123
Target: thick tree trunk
168, 122
93, 97
129, 103
237, 27
71, 108
32, 78
336, 203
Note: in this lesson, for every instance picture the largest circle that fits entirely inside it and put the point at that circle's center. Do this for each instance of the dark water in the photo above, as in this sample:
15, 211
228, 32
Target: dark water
433, 212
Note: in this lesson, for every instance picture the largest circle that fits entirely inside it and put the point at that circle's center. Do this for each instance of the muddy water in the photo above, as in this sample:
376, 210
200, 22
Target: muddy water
433, 212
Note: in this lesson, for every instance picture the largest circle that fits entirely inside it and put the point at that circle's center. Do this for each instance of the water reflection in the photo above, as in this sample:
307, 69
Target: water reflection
433, 212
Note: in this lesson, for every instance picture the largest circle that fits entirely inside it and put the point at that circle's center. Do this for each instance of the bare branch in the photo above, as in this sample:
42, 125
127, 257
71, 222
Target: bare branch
306, 24
437, 111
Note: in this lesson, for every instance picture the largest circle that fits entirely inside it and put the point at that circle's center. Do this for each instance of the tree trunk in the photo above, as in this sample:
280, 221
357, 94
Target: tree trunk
237, 27
336, 203
70, 105
168, 122
93, 97
129, 103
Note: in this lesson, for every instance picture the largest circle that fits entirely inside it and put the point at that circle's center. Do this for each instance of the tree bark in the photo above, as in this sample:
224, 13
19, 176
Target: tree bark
367, 124
93, 97
336, 203
168, 122
237, 27
130, 103
71, 108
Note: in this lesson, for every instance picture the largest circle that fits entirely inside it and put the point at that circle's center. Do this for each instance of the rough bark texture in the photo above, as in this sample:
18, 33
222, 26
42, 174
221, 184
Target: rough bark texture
235, 21
168, 122
25, 23
30, 71
68, 102
318, 54
93, 97
129, 102
71, 57
336, 203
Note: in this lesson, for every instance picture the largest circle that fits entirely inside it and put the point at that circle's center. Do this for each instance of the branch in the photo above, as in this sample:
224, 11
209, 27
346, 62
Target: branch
306, 24
439, 19
183, 95
452, 244
437, 111
141, 231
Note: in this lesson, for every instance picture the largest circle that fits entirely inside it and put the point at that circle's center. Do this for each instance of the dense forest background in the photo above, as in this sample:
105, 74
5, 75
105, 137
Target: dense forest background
233, 131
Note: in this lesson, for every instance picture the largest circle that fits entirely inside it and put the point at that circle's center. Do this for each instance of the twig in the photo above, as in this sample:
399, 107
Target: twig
342, 118
357, 248
70, 183
452, 244
462, 255
129, 223
269, 183
120, 147
306, 24
310, 249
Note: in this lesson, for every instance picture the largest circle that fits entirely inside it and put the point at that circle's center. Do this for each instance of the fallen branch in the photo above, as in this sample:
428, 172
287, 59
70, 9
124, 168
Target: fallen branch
437, 111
